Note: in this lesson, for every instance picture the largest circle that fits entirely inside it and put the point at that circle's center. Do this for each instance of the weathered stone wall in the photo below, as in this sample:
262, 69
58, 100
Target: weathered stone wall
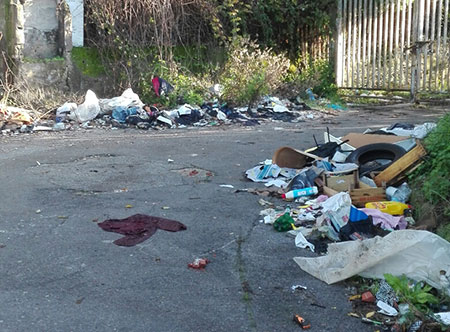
41, 29
2, 39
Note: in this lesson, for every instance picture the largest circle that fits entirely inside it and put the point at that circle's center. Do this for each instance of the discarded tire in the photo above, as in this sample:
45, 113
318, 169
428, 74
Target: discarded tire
367, 155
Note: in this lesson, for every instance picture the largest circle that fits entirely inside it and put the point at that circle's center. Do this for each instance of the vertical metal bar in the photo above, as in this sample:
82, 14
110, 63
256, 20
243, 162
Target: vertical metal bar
375, 40
445, 46
432, 47
364, 44
391, 41
354, 23
437, 83
380, 43
386, 39
358, 61
340, 38
425, 47
397, 37
369, 45
408, 42
421, 38
349, 44
402, 44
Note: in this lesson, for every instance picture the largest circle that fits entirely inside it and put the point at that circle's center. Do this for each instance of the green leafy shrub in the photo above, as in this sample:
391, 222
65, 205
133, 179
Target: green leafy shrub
417, 295
316, 74
251, 72
431, 181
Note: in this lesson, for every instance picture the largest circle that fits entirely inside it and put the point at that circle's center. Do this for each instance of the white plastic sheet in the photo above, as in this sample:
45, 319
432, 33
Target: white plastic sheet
420, 255
88, 110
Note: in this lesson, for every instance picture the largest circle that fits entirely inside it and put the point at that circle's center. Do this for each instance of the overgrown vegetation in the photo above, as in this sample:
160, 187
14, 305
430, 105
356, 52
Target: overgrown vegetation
196, 43
431, 181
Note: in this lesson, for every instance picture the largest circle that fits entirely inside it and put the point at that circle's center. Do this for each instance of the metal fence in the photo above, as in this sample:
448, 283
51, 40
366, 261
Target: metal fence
393, 45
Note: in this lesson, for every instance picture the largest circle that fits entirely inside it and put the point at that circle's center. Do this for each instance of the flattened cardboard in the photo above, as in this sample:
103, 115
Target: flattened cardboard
292, 158
357, 140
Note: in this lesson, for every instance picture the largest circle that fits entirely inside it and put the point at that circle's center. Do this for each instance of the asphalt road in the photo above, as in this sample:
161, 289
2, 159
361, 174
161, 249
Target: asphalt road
61, 272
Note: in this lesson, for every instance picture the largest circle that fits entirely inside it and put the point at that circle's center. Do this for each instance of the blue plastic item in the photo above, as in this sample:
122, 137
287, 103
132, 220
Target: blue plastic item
357, 215
121, 113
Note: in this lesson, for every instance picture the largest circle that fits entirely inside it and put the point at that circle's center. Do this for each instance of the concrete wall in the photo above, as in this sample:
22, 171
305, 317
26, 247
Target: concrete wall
2, 38
41, 29
77, 11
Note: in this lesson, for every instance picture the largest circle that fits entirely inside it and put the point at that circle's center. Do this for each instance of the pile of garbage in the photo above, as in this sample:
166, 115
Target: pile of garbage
128, 110
347, 199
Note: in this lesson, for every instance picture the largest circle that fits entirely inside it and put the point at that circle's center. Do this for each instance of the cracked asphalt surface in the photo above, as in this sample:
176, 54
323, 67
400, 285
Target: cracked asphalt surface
61, 272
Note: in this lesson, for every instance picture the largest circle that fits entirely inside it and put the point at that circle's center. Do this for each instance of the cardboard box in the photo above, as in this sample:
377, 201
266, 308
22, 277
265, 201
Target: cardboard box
340, 182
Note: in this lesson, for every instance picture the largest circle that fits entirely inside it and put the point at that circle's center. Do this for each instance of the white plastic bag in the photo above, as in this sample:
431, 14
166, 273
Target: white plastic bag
337, 210
88, 110
127, 99
63, 111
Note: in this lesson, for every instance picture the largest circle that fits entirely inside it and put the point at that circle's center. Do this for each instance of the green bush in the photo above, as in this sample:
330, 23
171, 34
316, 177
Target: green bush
431, 180
251, 72
316, 74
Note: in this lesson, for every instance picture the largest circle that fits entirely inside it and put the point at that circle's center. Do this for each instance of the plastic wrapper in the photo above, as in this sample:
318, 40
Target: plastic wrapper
420, 255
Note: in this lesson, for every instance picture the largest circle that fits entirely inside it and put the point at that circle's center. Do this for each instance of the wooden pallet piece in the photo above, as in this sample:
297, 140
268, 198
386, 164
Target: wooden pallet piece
401, 165
365, 195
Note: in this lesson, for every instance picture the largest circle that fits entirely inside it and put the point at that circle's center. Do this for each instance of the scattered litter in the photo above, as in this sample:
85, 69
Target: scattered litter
386, 309
301, 242
38, 211
226, 186
138, 228
128, 206
444, 317
170, 161
199, 263
302, 322
367, 297
295, 287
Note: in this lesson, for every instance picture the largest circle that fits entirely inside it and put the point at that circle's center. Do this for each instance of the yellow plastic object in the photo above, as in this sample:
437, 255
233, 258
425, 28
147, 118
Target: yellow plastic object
390, 207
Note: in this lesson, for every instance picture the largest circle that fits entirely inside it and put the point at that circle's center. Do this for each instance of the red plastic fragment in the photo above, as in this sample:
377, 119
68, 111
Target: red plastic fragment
368, 297
199, 263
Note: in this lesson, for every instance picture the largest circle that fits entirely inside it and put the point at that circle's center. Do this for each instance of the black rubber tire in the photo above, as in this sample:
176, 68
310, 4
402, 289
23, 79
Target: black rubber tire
372, 152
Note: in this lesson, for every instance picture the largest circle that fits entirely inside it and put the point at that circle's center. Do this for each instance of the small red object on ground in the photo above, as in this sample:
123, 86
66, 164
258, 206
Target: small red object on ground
199, 263
301, 321
367, 297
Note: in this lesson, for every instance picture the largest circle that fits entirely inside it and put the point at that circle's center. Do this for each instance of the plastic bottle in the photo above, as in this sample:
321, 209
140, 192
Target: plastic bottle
300, 192
390, 207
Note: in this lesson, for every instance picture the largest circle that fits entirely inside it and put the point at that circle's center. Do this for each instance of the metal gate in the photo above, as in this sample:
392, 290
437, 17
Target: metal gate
393, 45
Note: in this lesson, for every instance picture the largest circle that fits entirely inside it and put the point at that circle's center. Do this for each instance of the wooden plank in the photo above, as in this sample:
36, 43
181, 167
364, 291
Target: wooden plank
391, 42
366, 192
401, 165
380, 44
369, 46
438, 83
425, 48
420, 37
349, 43
354, 28
364, 45
408, 43
432, 46
396, 45
358, 61
445, 47
375, 40
386, 45
339, 53
402, 44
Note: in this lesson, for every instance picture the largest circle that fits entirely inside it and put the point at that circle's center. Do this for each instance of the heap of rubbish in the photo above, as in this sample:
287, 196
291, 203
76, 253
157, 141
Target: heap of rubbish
128, 111
347, 200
